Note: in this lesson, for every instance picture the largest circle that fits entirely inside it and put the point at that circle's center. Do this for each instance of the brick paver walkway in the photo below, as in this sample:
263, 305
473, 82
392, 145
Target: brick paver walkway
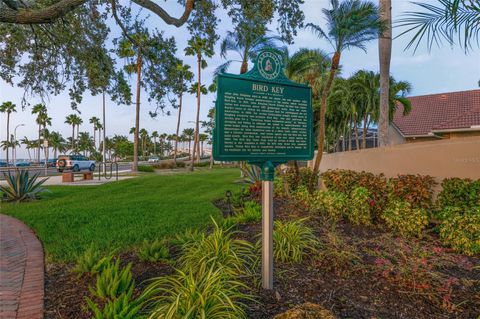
21, 271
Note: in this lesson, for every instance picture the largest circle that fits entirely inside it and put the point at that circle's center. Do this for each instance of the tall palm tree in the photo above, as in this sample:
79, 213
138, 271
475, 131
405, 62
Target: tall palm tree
163, 138
39, 109
189, 134
350, 24
155, 136
451, 20
28, 145
203, 137
74, 120
85, 143
200, 48
385, 56
184, 77
95, 121
144, 137
8, 108
43, 120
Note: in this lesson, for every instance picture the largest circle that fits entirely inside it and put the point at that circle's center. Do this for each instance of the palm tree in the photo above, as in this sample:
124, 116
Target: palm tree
452, 20
200, 48
350, 24
56, 142
184, 77
155, 136
247, 44
203, 137
85, 143
39, 109
385, 56
75, 121
189, 134
144, 138
95, 121
28, 146
8, 108
163, 137
43, 120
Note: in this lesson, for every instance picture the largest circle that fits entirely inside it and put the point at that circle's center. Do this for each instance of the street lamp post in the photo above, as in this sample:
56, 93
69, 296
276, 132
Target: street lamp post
15, 143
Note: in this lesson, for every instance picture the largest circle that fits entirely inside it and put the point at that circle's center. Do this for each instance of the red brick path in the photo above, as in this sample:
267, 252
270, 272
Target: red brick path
21, 271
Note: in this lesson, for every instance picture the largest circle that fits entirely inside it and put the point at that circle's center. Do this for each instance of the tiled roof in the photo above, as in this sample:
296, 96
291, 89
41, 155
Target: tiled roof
439, 112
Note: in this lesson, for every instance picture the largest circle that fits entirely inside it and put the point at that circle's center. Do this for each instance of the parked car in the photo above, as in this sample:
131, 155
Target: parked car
74, 163
153, 159
22, 164
50, 163
3, 164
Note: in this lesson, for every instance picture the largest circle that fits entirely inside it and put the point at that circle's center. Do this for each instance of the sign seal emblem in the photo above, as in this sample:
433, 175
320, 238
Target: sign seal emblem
269, 65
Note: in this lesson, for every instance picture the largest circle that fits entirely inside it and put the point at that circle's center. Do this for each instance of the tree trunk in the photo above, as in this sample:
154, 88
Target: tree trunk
355, 127
385, 54
39, 145
73, 137
211, 160
137, 112
178, 129
197, 124
95, 138
104, 128
323, 108
364, 135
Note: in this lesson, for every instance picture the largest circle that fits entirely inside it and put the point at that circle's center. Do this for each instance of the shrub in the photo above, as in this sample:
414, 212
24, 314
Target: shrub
359, 207
458, 192
293, 241
201, 164
462, 232
168, 165
335, 254
21, 187
113, 281
252, 212
415, 189
153, 251
203, 292
218, 249
303, 197
239, 197
331, 203
145, 168
303, 178
408, 221
340, 180
448, 212
91, 262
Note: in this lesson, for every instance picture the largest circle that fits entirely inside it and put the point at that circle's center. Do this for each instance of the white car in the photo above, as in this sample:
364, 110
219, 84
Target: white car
75, 163
153, 159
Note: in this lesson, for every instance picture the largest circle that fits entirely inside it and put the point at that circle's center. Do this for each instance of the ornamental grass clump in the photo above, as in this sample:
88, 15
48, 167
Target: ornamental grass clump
358, 212
293, 241
219, 249
207, 291
153, 251
113, 281
21, 186
408, 221
462, 232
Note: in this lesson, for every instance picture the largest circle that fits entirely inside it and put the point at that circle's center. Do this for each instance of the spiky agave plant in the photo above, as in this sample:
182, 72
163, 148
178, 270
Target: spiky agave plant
204, 292
21, 186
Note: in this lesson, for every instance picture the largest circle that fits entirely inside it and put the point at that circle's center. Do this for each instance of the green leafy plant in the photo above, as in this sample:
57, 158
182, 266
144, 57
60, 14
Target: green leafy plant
146, 168
458, 192
91, 262
303, 197
408, 221
202, 292
447, 213
122, 307
188, 236
113, 281
334, 254
252, 212
293, 241
358, 212
302, 179
415, 189
462, 232
332, 204
219, 249
153, 251
21, 187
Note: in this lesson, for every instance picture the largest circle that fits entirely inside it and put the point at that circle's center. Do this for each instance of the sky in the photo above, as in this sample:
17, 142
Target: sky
444, 69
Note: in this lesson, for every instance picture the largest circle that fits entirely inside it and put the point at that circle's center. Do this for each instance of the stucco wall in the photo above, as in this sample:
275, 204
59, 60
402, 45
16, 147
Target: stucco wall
441, 159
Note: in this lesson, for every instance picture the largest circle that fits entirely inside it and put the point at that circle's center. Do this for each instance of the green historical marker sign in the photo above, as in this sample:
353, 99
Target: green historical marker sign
262, 116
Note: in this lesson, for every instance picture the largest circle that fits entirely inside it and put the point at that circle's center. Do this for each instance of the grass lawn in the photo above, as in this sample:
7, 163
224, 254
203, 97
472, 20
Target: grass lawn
121, 214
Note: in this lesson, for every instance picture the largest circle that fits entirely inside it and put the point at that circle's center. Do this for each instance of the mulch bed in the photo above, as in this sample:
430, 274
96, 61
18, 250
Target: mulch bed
391, 277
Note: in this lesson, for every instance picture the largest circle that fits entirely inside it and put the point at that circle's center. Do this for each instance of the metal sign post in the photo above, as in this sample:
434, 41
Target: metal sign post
265, 119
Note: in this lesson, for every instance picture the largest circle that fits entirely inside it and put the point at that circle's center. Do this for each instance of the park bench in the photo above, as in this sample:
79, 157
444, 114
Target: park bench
69, 177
